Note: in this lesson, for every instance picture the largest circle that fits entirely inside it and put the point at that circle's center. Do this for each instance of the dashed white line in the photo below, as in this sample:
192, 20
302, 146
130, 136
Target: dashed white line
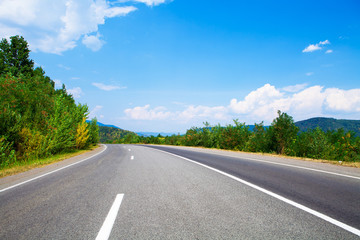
107, 226
132, 158
288, 201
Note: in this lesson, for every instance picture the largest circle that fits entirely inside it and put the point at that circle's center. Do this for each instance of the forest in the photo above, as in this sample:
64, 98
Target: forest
281, 137
37, 120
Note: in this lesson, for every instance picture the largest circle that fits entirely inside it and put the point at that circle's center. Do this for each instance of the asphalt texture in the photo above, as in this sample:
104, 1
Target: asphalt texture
167, 197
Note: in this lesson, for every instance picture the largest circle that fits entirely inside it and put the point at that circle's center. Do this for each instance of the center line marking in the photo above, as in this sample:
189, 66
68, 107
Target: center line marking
132, 157
107, 226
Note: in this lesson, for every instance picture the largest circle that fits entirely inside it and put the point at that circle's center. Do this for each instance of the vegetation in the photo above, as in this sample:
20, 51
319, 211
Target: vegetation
113, 134
329, 124
36, 121
281, 137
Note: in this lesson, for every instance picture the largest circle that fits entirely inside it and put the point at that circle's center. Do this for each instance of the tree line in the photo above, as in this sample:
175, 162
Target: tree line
37, 120
281, 137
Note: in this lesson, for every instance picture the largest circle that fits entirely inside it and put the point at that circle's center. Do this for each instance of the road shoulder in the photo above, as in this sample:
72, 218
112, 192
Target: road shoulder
8, 181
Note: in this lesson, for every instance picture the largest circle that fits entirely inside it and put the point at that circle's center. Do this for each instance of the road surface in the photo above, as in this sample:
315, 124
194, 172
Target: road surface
156, 192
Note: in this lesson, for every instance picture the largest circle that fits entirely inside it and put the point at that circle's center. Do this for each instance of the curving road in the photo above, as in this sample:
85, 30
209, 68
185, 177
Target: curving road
157, 192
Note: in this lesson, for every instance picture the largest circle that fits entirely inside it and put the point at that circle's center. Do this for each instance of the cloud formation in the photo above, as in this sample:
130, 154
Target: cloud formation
145, 113
262, 104
94, 112
107, 87
315, 47
76, 92
57, 26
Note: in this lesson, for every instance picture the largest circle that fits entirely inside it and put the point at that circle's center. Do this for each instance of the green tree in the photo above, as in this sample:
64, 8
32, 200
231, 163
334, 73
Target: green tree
285, 131
94, 136
313, 143
14, 57
257, 139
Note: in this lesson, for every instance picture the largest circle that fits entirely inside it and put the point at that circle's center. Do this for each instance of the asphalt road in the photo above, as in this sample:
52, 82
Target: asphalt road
169, 197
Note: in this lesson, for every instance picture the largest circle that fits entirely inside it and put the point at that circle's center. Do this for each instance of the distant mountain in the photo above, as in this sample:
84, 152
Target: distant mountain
106, 125
111, 134
328, 124
155, 134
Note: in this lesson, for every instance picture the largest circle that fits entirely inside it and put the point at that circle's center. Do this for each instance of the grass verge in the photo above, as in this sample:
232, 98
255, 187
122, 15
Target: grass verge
24, 166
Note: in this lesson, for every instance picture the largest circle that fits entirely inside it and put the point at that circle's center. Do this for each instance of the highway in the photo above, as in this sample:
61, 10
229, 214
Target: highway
158, 192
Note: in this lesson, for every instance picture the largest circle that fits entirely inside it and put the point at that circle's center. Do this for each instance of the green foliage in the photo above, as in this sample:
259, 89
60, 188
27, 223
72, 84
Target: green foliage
7, 154
112, 135
314, 144
284, 132
35, 119
14, 57
94, 136
258, 141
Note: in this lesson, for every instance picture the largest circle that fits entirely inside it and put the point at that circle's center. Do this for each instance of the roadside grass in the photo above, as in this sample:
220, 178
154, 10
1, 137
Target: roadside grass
23, 166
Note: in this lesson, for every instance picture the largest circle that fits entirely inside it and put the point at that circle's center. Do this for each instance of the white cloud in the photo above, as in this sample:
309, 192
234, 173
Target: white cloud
145, 113
57, 26
309, 74
93, 42
315, 47
58, 83
107, 87
147, 2
312, 48
342, 100
7, 31
93, 113
75, 92
262, 104
119, 11
329, 51
190, 113
204, 112
256, 100
324, 42
297, 87
307, 103
151, 2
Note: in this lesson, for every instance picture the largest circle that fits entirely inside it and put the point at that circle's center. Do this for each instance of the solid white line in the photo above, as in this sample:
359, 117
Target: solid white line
294, 166
32, 179
107, 226
306, 168
288, 201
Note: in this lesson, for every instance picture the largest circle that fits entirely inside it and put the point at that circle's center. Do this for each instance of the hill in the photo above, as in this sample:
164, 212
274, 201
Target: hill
110, 134
328, 124
155, 134
105, 125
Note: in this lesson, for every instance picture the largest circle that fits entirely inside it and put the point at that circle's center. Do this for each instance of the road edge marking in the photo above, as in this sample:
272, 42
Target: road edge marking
283, 164
108, 224
277, 196
300, 167
43, 175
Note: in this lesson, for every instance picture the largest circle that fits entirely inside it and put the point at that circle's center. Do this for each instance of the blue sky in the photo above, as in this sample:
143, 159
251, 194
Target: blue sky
157, 65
